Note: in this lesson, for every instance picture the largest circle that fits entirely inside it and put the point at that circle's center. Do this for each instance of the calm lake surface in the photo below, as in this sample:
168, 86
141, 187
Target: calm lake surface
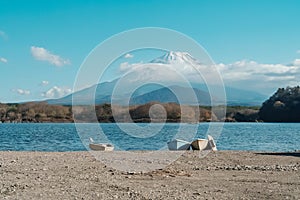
64, 137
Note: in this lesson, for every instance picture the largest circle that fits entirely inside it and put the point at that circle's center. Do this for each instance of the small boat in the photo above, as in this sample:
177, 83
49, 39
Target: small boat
199, 144
100, 147
204, 144
212, 142
178, 144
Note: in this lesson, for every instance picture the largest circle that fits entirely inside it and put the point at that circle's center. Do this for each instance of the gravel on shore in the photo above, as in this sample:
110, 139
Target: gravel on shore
219, 175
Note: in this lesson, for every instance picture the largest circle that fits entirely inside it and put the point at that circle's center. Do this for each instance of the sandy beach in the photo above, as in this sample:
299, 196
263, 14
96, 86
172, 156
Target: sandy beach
219, 175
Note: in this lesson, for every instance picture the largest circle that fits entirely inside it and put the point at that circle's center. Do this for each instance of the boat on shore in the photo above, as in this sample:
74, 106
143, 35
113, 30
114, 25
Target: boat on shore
100, 146
177, 144
204, 144
212, 143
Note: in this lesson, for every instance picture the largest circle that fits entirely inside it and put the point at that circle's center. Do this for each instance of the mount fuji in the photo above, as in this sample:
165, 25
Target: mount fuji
155, 92
176, 57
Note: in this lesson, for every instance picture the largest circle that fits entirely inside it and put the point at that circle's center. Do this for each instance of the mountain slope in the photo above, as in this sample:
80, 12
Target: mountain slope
190, 96
237, 96
155, 92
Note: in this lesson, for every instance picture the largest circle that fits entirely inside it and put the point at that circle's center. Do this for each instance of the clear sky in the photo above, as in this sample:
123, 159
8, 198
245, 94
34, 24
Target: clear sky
43, 43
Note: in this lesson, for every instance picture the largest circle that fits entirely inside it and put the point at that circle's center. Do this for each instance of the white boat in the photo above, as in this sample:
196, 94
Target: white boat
204, 144
212, 142
199, 144
100, 147
178, 144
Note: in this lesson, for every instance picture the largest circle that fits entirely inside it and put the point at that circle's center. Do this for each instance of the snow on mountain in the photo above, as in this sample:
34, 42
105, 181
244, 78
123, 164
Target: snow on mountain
175, 57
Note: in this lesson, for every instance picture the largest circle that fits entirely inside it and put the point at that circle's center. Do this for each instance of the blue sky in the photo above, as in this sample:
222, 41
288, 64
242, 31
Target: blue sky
43, 43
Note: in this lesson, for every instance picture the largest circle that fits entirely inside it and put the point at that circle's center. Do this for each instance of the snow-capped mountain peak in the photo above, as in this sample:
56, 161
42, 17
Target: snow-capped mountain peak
175, 57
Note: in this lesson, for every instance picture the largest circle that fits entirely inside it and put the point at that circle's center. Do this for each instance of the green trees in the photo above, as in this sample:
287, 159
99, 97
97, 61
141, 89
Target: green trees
283, 106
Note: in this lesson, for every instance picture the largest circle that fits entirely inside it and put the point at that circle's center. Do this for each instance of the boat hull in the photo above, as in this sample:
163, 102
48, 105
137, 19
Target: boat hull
212, 143
176, 145
101, 147
199, 144
204, 144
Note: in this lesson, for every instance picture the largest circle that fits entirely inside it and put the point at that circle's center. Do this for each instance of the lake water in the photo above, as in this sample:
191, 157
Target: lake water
64, 137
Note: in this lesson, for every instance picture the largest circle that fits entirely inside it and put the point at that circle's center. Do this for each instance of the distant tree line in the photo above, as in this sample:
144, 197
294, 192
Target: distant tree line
283, 106
151, 112
34, 112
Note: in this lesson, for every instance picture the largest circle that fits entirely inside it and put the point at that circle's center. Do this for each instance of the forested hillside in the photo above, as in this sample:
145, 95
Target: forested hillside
283, 106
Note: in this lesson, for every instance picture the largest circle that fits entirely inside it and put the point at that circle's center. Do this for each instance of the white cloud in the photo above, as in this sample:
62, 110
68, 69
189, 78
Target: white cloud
125, 66
296, 62
245, 74
281, 78
260, 76
44, 83
135, 74
22, 92
251, 70
56, 92
128, 55
298, 51
4, 60
43, 54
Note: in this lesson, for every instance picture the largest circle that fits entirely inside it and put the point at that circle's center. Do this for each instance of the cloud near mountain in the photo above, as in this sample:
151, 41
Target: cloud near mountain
56, 92
259, 75
22, 91
172, 67
128, 55
251, 75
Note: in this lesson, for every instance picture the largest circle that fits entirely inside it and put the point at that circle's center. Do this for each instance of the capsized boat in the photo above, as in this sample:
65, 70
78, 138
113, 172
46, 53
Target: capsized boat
100, 147
204, 144
177, 144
